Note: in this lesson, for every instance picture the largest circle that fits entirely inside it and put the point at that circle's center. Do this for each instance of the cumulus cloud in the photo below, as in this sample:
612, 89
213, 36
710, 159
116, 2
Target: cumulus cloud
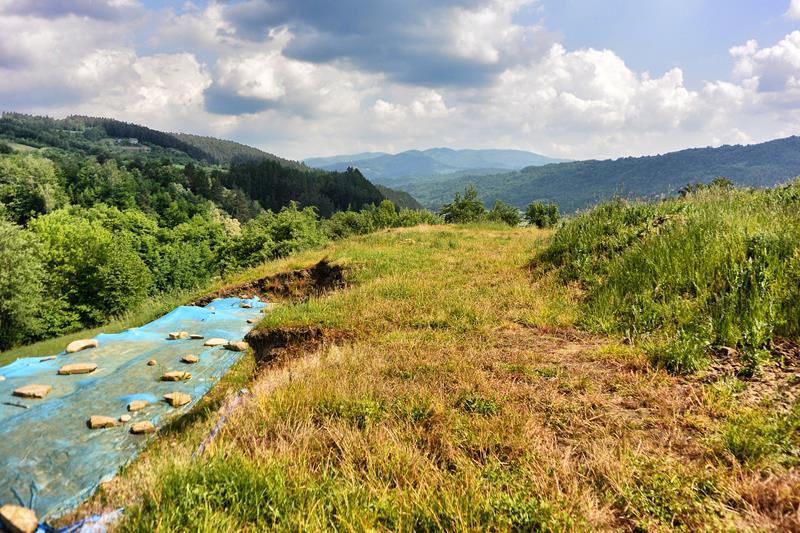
444, 42
776, 68
300, 78
51, 9
793, 12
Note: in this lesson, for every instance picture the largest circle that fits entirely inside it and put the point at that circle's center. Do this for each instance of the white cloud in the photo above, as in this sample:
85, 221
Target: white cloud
793, 12
189, 70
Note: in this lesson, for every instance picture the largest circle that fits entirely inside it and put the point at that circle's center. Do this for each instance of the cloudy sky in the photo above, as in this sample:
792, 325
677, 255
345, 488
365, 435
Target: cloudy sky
566, 78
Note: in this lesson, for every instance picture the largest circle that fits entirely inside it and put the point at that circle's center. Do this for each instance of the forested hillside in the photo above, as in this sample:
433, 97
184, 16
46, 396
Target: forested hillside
222, 151
399, 198
579, 184
97, 215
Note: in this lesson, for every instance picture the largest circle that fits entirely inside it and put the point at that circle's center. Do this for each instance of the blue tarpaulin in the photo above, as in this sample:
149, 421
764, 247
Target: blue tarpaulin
49, 459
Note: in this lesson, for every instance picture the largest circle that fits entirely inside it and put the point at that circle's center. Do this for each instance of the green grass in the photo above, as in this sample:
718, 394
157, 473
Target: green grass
755, 435
454, 394
718, 268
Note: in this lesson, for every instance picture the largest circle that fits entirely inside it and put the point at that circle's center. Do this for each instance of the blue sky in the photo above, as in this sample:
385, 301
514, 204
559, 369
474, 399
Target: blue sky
568, 78
657, 35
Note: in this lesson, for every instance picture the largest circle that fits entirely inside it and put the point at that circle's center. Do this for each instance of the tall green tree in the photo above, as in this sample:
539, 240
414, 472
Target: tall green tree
29, 186
466, 208
21, 274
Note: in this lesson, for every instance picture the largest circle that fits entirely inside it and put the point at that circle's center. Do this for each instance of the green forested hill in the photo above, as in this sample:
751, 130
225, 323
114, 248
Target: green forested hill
222, 151
399, 198
579, 184
251, 177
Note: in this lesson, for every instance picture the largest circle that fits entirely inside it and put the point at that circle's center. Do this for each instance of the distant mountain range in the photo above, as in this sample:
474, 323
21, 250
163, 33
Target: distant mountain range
384, 169
578, 184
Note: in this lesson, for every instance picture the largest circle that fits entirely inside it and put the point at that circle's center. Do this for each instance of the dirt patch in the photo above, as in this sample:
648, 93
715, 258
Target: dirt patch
294, 285
269, 344
776, 381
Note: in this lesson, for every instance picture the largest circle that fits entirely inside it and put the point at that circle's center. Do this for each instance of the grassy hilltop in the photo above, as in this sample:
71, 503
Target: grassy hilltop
634, 369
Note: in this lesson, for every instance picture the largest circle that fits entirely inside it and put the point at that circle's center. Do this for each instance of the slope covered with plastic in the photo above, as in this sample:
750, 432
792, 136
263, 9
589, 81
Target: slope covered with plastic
49, 459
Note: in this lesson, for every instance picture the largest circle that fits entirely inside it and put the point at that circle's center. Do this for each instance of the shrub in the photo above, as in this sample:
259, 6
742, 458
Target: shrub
718, 267
466, 208
542, 215
505, 213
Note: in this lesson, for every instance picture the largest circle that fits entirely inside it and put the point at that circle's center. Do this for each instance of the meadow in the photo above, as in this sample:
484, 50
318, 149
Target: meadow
462, 380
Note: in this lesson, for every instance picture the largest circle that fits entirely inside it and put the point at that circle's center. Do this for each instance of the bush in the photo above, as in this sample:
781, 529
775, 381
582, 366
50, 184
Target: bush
542, 215
505, 213
463, 209
718, 267
272, 235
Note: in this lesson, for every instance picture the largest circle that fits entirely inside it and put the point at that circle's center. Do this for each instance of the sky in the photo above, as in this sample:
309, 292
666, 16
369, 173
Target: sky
299, 78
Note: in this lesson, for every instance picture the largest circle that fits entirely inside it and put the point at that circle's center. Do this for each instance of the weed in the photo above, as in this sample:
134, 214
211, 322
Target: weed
473, 403
753, 435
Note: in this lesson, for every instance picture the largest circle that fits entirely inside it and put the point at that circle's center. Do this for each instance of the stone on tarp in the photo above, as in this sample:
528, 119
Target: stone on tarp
252, 320
240, 346
18, 519
246, 305
82, 344
195, 336
2, 378
99, 422
152, 362
216, 341
174, 335
176, 375
125, 418
48, 358
77, 368
136, 405
34, 390
190, 359
176, 399
142, 427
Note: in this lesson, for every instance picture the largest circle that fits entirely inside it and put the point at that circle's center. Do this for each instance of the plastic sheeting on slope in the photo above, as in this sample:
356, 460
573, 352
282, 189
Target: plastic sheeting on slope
49, 460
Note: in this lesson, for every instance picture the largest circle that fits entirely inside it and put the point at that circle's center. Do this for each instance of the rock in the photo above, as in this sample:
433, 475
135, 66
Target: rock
240, 346
82, 344
176, 399
190, 359
33, 391
152, 362
125, 418
50, 358
176, 375
251, 320
140, 428
174, 335
100, 422
246, 305
195, 336
136, 405
729, 352
18, 519
77, 368
2, 378
216, 341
